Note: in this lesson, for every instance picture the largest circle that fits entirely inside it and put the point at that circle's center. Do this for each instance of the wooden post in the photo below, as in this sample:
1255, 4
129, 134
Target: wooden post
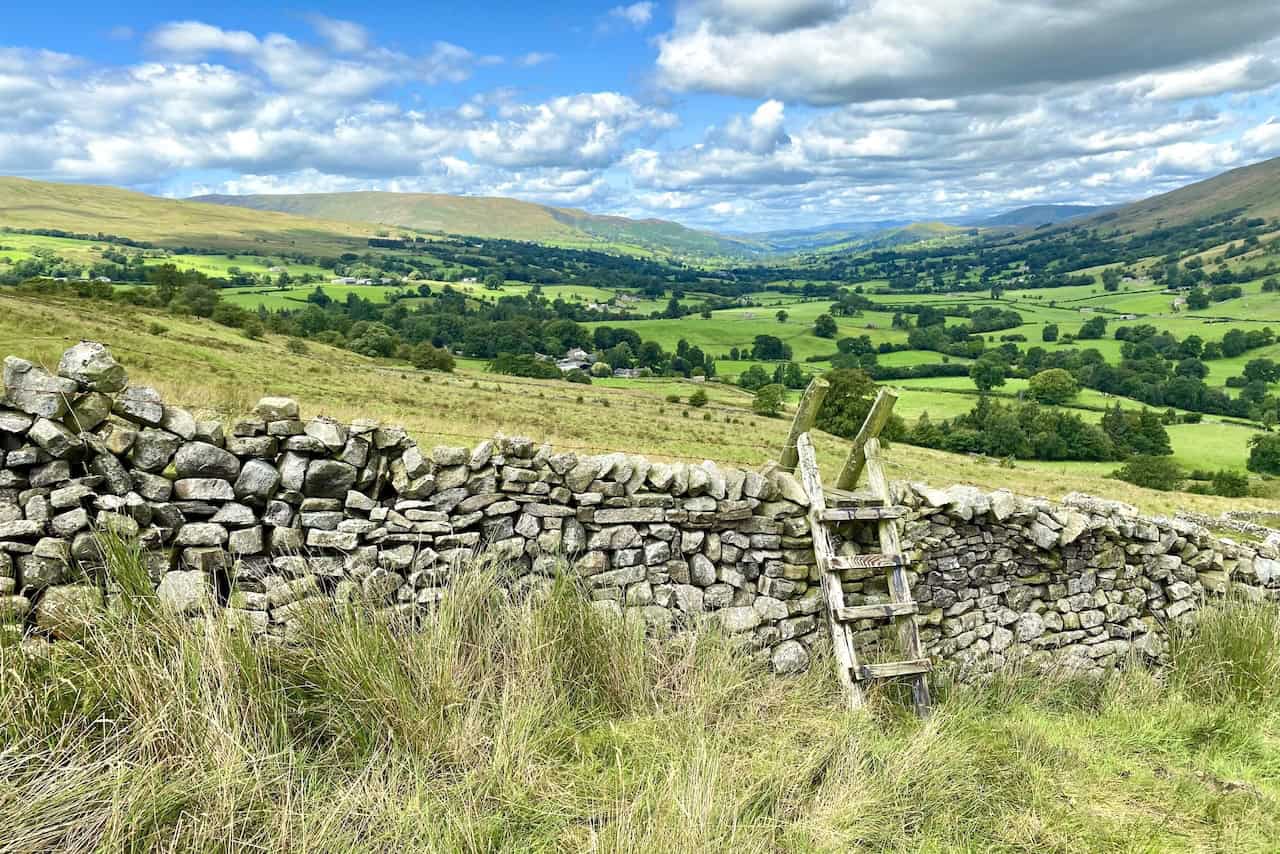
899, 589
832, 592
871, 427
806, 414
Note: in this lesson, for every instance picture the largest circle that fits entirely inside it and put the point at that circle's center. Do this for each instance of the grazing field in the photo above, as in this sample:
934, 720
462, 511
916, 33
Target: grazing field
209, 367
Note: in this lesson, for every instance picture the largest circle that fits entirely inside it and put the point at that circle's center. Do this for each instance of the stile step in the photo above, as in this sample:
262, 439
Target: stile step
882, 611
860, 514
846, 498
840, 563
891, 669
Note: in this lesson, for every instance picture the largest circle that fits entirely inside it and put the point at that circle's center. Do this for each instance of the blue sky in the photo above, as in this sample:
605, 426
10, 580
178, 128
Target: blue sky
728, 114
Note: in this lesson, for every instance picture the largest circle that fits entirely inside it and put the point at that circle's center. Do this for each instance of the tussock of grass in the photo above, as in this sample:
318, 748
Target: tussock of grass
1232, 655
535, 723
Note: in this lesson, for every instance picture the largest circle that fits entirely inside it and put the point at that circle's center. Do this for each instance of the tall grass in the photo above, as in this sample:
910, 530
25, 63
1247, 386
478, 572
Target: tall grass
537, 723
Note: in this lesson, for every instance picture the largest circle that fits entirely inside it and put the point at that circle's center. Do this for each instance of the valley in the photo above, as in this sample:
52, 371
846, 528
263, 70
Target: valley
903, 305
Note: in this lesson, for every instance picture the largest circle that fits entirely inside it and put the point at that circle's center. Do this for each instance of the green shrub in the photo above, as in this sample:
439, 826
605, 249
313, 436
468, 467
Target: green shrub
1264, 453
698, 398
1159, 473
768, 400
579, 377
426, 357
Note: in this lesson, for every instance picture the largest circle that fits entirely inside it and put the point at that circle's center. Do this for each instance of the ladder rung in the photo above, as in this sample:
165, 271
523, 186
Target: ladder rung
890, 669
877, 612
845, 498
840, 563
858, 514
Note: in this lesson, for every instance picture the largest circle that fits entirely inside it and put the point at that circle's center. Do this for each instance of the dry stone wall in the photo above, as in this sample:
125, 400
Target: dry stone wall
273, 517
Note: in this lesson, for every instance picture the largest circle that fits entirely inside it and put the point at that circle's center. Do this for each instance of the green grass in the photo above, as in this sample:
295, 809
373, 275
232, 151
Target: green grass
542, 725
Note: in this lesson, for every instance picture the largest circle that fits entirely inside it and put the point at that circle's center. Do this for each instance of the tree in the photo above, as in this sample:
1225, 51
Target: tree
768, 348
698, 398
1197, 299
1111, 279
1264, 453
987, 373
1093, 329
768, 400
1049, 332
1054, 386
825, 326
494, 282
1159, 473
1191, 368
601, 369
782, 315
847, 403
753, 378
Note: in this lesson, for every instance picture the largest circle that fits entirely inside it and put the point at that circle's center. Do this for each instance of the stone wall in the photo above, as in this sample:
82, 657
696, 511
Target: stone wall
1083, 582
274, 516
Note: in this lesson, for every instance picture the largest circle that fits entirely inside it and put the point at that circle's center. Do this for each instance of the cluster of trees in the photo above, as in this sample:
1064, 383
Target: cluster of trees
1028, 431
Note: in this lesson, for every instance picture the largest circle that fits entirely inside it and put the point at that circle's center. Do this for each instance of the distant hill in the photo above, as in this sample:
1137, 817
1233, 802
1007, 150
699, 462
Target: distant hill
86, 209
916, 232
816, 237
497, 218
1251, 190
1034, 215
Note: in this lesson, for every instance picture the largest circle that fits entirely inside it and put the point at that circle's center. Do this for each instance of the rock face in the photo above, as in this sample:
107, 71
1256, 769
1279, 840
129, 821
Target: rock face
275, 519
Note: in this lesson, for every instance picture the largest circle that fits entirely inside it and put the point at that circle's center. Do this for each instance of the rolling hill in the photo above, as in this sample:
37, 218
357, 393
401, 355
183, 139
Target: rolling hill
87, 209
1252, 190
1034, 215
497, 218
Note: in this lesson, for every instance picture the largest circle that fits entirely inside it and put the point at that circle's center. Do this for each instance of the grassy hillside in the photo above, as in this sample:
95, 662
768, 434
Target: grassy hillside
494, 217
86, 209
1254, 189
216, 370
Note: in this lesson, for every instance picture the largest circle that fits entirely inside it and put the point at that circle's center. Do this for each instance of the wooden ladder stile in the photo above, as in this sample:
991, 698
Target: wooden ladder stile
832, 592
899, 586
872, 507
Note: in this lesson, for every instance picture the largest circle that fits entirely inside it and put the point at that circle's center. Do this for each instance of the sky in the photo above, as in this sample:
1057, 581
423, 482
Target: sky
734, 115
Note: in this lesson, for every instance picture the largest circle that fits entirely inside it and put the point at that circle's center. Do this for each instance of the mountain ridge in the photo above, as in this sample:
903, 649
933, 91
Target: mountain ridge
495, 217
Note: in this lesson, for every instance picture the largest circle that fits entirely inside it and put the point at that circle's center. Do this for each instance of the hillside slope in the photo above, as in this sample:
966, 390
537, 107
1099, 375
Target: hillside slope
1253, 190
496, 218
1033, 215
87, 209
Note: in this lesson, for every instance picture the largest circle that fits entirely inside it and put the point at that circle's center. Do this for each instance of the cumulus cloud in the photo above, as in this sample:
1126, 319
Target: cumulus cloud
827, 51
635, 14
855, 109
290, 116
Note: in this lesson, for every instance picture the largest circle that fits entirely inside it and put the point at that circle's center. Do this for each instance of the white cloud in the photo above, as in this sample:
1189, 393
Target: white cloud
635, 14
533, 58
343, 36
843, 52
194, 38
